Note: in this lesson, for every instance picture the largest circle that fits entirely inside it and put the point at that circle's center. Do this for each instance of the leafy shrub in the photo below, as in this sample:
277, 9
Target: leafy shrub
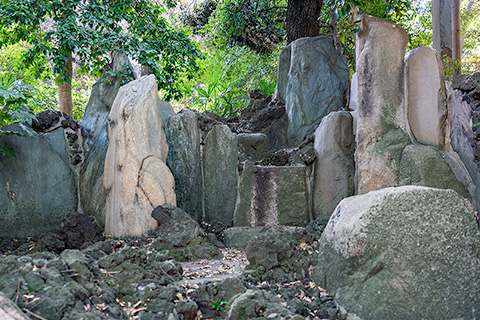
198, 17
225, 77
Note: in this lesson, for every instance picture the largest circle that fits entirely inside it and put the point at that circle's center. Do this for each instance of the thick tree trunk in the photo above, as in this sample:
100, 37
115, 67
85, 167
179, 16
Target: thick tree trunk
302, 19
65, 90
456, 37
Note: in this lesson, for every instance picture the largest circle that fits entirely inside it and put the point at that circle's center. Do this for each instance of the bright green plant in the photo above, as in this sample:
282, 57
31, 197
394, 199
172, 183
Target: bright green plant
225, 76
219, 305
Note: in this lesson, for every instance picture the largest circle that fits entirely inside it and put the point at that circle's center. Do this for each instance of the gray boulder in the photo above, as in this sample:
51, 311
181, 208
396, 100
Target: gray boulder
271, 195
317, 84
463, 141
184, 160
254, 145
334, 166
40, 186
425, 166
9, 310
402, 253
220, 171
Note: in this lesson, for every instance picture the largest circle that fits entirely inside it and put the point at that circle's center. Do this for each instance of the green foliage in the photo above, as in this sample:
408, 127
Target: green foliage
225, 77
93, 29
13, 101
470, 20
258, 24
198, 17
219, 305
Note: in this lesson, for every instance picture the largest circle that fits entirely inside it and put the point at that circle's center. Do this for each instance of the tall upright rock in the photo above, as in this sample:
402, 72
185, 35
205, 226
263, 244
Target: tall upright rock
95, 135
220, 157
442, 27
427, 109
381, 120
312, 78
185, 161
136, 177
335, 165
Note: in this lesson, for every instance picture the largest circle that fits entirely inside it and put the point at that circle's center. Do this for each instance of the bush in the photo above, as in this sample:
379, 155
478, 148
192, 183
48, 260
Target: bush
225, 77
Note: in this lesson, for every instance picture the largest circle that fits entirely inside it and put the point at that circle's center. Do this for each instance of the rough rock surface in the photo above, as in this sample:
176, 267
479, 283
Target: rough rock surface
265, 115
334, 166
464, 141
270, 195
381, 119
426, 96
254, 145
136, 177
178, 230
317, 84
95, 135
39, 186
9, 310
184, 159
442, 27
423, 165
77, 229
402, 253
220, 171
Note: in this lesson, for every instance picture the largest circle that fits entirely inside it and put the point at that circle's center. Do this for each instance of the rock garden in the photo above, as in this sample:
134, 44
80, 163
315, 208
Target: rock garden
331, 199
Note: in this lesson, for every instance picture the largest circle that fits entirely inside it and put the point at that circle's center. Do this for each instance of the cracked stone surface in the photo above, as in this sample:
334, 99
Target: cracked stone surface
136, 177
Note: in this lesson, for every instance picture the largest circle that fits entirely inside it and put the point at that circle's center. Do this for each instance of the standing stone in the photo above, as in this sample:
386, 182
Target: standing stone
38, 186
353, 93
381, 121
254, 145
271, 195
334, 166
402, 253
317, 84
184, 159
442, 27
220, 171
166, 111
284, 63
425, 166
427, 110
462, 136
136, 177
95, 136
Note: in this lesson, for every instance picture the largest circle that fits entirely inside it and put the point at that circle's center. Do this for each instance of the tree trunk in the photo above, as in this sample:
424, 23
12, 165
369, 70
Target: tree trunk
302, 19
456, 38
65, 90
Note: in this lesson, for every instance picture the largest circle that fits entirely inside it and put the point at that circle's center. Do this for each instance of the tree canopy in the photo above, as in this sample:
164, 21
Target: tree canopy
91, 30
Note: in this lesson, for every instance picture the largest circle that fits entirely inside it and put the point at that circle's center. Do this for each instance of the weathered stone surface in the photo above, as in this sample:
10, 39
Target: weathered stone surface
166, 111
425, 166
402, 253
38, 185
254, 145
270, 195
283, 68
9, 310
184, 159
239, 237
334, 167
95, 136
136, 178
317, 84
220, 172
266, 115
77, 229
248, 305
462, 136
381, 125
442, 27
427, 109
353, 103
